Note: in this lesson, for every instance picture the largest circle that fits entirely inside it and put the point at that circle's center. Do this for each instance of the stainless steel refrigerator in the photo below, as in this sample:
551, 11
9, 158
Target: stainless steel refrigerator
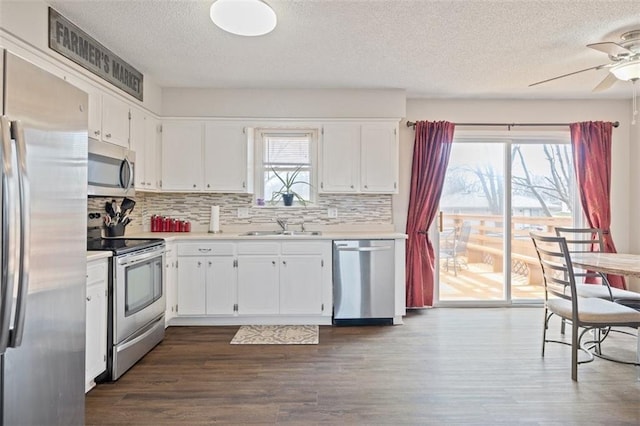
43, 157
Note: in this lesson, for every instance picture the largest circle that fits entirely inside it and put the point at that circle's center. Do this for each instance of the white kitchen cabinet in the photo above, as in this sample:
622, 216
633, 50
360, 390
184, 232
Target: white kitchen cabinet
171, 283
228, 158
95, 111
182, 155
206, 279
115, 121
339, 158
258, 284
96, 321
359, 157
191, 286
145, 131
379, 158
285, 278
301, 284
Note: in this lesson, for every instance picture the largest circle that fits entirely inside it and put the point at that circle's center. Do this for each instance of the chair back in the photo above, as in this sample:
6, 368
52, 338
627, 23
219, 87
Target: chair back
463, 239
583, 240
557, 269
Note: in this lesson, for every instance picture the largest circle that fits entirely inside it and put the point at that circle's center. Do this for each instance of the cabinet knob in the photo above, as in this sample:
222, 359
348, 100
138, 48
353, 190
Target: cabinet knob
199, 264
88, 298
194, 185
142, 183
244, 184
366, 186
108, 135
284, 263
208, 186
96, 132
351, 186
273, 262
210, 263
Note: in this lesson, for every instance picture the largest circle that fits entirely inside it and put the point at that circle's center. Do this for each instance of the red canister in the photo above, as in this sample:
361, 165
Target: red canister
187, 226
179, 226
165, 224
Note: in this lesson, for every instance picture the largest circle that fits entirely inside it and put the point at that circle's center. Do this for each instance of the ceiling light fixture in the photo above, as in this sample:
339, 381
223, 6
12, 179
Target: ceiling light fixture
243, 17
627, 71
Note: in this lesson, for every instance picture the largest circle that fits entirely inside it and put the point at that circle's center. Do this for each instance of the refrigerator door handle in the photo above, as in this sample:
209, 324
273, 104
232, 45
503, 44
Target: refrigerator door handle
15, 338
8, 240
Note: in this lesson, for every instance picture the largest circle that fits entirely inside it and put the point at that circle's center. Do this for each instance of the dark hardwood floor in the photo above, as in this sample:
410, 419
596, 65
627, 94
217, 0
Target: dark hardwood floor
443, 366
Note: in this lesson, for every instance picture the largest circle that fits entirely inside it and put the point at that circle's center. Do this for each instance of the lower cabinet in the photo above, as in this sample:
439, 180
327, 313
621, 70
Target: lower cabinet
254, 278
96, 321
171, 283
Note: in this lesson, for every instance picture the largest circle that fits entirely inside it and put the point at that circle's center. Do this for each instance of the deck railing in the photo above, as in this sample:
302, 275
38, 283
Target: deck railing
486, 240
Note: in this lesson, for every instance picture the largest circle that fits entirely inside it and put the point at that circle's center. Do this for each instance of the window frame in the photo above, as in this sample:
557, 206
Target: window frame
259, 166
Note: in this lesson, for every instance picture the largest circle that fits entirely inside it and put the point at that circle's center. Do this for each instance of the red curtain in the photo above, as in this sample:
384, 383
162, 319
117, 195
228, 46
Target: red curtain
430, 158
591, 144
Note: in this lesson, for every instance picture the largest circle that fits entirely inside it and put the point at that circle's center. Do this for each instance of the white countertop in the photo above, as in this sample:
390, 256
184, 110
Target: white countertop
95, 255
237, 236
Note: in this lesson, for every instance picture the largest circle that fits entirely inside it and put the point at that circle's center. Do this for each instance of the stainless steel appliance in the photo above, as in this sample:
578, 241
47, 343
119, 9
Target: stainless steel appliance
43, 155
110, 170
136, 298
363, 281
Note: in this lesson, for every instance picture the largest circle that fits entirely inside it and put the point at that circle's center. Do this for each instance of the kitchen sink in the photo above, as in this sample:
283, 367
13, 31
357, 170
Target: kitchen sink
281, 233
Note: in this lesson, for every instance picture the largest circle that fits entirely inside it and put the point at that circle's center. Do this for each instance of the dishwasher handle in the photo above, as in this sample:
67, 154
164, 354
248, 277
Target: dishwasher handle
378, 248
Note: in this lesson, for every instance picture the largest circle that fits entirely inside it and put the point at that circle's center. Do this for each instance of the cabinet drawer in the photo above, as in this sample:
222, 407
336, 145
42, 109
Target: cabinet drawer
259, 248
205, 249
96, 271
301, 247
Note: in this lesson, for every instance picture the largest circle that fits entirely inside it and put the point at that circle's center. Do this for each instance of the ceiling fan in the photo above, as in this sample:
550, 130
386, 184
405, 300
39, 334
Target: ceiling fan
625, 57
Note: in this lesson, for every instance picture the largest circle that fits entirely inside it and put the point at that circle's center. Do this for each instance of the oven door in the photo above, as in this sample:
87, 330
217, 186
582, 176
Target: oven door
139, 295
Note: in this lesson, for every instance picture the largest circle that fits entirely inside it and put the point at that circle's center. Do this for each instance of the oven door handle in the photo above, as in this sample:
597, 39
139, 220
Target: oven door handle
140, 258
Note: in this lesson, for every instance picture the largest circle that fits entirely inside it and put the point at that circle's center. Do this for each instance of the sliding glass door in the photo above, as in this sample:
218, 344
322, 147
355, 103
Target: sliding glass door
497, 190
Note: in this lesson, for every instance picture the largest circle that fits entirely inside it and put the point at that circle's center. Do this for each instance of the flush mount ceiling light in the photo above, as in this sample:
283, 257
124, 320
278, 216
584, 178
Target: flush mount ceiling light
243, 17
627, 71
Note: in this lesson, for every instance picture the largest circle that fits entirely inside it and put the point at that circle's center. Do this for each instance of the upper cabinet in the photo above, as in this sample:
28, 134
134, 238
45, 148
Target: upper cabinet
182, 155
228, 157
145, 135
108, 117
359, 157
199, 156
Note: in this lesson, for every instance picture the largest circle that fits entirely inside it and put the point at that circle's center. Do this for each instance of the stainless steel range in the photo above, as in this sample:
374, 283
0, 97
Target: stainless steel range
136, 297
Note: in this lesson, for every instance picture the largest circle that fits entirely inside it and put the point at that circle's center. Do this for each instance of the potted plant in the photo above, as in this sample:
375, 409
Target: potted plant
286, 191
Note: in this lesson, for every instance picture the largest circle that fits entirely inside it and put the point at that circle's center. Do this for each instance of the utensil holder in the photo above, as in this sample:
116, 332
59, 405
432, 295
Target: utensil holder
114, 230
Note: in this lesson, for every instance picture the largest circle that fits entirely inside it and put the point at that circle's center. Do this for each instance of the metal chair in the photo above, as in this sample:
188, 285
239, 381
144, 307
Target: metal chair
586, 313
454, 247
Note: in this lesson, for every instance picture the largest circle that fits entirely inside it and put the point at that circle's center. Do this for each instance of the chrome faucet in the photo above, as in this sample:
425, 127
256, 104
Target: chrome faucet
283, 224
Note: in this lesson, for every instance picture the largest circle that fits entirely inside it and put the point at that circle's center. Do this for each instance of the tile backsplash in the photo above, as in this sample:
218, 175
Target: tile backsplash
351, 208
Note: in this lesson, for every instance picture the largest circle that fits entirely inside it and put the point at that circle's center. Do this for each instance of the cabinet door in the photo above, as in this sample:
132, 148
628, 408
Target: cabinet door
151, 139
182, 156
96, 321
191, 286
339, 158
228, 158
379, 156
258, 285
301, 284
171, 284
138, 144
115, 121
221, 285
95, 113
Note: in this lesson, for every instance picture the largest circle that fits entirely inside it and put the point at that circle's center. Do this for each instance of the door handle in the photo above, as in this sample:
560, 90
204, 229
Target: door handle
441, 221
8, 237
15, 337
380, 248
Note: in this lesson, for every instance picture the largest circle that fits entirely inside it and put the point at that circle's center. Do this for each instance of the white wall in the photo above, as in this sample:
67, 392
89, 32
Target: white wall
290, 103
625, 140
25, 24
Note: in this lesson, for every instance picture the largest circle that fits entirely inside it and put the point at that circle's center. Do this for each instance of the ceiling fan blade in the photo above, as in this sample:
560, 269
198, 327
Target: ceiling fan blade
567, 75
611, 48
608, 81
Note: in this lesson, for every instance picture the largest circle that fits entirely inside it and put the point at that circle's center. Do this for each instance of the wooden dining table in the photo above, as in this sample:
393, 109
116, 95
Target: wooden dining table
609, 263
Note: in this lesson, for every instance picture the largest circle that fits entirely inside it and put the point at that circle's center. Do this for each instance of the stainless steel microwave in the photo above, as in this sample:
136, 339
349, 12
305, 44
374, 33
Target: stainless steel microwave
110, 169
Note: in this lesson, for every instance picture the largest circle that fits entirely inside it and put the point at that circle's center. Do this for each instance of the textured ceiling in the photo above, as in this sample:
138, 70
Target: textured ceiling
452, 49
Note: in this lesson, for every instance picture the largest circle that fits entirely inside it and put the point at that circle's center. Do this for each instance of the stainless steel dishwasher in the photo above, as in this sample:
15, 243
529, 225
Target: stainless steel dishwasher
363, 282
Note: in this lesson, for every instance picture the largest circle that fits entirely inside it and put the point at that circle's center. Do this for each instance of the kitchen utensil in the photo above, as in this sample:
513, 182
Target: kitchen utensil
127, 205
125, 220
108, 207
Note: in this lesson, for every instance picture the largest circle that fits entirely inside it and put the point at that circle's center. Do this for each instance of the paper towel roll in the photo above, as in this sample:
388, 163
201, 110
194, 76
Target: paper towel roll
214, 222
